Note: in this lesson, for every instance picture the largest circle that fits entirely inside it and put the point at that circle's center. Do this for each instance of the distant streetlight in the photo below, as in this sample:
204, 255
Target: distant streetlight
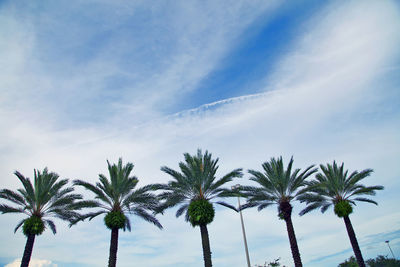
234, 187
387, 242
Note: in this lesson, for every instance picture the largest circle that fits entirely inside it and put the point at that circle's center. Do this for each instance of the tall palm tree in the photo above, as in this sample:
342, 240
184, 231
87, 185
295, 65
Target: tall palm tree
47, 197
193, 189
278, 186
117, 197
333, 186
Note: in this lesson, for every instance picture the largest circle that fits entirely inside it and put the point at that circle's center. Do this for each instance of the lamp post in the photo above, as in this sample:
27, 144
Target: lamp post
243, 231
387, 242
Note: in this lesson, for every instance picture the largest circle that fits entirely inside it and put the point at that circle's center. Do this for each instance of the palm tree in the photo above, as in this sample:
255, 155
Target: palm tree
333, 186
278, 186
117, 197
193, 189
47, 197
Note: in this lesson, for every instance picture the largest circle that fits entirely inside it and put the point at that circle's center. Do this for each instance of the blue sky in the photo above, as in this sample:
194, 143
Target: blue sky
86, 81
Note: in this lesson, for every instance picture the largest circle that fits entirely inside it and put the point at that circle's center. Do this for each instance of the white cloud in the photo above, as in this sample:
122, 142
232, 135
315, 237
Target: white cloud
33, 263
129, 69
318, 110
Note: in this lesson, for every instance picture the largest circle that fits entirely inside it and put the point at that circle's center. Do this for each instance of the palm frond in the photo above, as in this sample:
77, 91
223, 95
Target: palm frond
127, 224
94, 189
47, 196
366, 190
263, 205
92, 215
30, 193
196, 179
333, 184
142, 198
12, 196
310, 207
8, 209
277, 183
52, 226
78, 205
147, 217
19, 225
366, 200
181, 209
325, 206
248, 205
310, 198
237, 173
227, 205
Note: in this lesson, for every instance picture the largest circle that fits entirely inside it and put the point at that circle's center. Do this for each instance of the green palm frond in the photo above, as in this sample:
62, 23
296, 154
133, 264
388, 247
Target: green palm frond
142, 197
170, 200
19, 225
99, 194
8, 209
263, 205
146, 216
181, 210
12, 196
66, 215
222, 203
127, 224
277, 184
64, 201
310, 207
248, 205
30, 193
362, 199
92, 215
195, 180
119, 193
52, 226
225, 192
47, 196
366, 190
81, 204
237, 173
333, 184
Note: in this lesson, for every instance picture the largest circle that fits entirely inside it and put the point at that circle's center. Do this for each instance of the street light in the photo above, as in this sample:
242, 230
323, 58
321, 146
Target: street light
387, 242
234, 187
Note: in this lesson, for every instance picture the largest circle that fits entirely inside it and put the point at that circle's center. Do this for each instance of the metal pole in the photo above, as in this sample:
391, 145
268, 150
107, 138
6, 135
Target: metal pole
244, 235
387, 242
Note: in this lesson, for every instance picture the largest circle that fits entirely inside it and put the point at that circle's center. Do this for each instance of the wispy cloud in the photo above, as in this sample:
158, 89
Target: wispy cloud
331, 96
99, 66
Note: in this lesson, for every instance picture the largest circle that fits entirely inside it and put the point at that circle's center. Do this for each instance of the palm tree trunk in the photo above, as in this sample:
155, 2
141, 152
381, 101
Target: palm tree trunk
28, 250
112, 260
353, 240
293, 242
206, 245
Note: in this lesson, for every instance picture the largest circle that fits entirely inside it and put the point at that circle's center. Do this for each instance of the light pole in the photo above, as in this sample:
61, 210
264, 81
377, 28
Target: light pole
387, 242
234, 187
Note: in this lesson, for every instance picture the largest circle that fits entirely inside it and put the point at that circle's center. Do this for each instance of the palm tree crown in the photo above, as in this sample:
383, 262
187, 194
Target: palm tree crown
195, 181
333, 186
192, 189
117, 197
277, 185
118, 194
46, 197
